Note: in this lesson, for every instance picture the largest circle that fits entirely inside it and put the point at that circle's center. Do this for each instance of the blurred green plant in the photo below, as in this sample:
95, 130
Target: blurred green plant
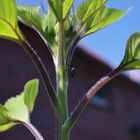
17, 110
61, 30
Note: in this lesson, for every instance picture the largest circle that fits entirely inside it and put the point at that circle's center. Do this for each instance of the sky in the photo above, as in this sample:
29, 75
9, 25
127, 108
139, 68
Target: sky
109, 43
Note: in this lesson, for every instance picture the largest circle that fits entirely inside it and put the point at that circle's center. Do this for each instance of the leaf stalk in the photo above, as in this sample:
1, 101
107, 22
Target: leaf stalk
42, 71
85, 100
34, 131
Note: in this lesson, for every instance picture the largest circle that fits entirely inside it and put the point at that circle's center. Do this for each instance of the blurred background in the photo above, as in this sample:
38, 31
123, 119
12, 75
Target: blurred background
113, 113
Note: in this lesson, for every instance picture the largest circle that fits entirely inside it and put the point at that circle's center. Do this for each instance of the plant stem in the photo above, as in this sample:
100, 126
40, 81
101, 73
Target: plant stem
62, 81
85, 100
42, 71
72, 50
34, 131
61, 73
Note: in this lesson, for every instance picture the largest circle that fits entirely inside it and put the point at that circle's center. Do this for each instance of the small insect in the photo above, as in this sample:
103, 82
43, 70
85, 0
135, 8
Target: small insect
71, 70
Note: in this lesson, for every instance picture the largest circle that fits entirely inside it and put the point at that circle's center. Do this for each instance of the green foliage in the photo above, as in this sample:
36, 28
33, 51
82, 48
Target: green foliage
30, 16
3, 115
7, 126
49, 23
13, 112
91, 16
66, 7
8, 21
87, 8
104, 17
16, 109
30, 93
131, 59
60, 8
56, 7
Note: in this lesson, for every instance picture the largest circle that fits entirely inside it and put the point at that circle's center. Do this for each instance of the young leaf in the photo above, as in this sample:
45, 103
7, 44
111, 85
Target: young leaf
131, 59
104, 17
49, 23
55, 5
30, 93
17, 110
66, 7
87, 8
7, 126
30, 16
8, 21
5, 123
3, 115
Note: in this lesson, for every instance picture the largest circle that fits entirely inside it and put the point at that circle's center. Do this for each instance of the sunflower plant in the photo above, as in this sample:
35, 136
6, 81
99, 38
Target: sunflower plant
61, 26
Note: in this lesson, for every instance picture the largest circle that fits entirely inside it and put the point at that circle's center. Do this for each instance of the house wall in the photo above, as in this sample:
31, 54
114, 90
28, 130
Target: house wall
119, 120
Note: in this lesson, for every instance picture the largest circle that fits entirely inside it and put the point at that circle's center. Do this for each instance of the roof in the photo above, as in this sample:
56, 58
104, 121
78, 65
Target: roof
92, 56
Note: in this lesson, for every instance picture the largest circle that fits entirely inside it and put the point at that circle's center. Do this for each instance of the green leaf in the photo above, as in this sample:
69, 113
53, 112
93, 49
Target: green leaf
87, 8
131, 59
66, 7
3, 115
60, 8
55, 5
30, 93
17, 110
49, 23
74, 22
104, 17
7, 126
5, 123
30, 16
8, 21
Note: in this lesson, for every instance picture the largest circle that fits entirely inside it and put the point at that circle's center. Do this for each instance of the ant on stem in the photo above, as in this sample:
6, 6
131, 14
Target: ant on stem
71, 70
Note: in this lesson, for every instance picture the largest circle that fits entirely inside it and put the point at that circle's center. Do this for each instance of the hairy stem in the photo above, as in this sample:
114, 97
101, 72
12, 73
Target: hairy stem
85, 100
42, 71
34, 131
61, 73
61, 80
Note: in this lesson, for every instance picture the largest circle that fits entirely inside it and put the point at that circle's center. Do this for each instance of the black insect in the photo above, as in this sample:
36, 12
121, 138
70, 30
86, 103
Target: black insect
71, 70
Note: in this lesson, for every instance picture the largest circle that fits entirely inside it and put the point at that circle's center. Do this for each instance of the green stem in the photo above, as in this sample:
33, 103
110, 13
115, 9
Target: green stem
61, 73
62, 82
65, 134
34, 131
43, 72
83, 103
